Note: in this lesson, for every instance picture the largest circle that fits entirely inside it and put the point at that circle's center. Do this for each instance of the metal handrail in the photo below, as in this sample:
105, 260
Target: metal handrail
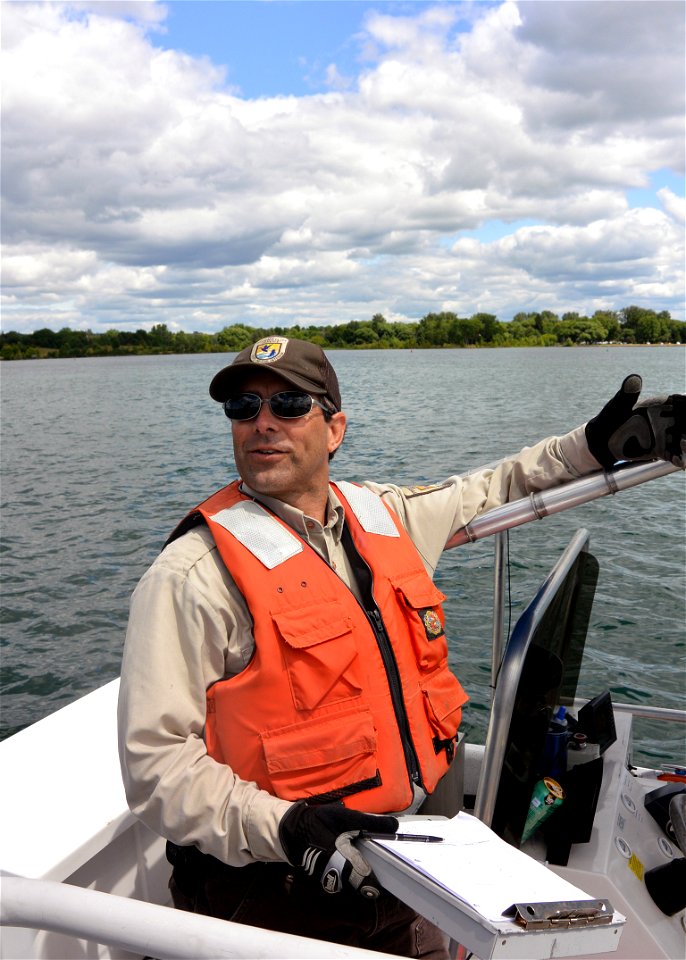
563, 497
536, 506
149, 929
672, 714
508, 679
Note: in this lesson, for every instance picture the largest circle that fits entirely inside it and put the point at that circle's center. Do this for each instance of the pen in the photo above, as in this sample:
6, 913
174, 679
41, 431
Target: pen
420, 837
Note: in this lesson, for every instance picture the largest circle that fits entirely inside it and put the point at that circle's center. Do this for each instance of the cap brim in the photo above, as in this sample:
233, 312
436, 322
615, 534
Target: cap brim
228, 380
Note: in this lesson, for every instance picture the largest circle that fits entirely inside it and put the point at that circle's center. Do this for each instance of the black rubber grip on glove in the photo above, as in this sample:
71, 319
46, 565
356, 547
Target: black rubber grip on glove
308, 833
614, 414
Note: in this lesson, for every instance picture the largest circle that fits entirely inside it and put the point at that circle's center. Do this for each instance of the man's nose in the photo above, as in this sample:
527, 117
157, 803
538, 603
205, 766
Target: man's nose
265, 419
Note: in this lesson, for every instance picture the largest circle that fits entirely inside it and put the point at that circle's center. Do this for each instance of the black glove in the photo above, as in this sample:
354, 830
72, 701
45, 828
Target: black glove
652, 429
320, 840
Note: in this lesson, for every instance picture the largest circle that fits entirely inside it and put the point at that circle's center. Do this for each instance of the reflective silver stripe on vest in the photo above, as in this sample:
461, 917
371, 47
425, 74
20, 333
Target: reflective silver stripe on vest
369, 509
259, 532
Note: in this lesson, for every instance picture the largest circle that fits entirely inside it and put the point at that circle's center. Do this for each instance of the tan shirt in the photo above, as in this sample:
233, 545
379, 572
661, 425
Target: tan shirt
189, 627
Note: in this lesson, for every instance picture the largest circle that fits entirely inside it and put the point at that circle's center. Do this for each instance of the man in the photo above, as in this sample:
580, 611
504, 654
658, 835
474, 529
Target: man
285, 681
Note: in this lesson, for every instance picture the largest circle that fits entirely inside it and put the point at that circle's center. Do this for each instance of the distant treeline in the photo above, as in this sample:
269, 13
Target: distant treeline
545, 329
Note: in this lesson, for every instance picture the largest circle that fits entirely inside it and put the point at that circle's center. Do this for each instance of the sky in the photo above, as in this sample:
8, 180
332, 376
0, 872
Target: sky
273, 162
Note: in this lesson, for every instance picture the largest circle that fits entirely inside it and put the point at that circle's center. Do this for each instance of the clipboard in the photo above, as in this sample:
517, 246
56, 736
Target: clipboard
439, 881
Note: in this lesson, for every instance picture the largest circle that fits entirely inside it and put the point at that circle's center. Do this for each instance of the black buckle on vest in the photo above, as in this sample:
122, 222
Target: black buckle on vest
447, 745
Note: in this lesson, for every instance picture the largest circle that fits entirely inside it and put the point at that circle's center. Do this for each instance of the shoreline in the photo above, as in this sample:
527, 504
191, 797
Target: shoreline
331, 348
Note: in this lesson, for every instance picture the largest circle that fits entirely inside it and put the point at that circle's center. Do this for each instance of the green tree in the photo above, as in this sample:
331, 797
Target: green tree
235, 338
465, 332
677, 331
644, 326
576, 329
610, 321
74, 343
379, 324
433, 330
489, 325
45, 338
548, 321
652, 328
357, 333
160, 337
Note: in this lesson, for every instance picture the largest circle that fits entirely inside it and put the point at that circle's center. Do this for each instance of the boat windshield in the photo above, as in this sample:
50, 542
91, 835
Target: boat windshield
540, 670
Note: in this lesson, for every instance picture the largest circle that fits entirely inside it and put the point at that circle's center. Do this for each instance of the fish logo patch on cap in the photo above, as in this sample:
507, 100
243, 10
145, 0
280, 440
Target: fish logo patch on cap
269, 349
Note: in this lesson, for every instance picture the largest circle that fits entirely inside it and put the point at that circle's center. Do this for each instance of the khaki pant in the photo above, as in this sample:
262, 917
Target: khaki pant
277, 897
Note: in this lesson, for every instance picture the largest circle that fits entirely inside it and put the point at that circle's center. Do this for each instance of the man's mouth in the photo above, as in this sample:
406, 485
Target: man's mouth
266, 452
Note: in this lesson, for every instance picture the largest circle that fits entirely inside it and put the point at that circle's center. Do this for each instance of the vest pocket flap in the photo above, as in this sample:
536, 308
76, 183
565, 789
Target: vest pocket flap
329, 754
419, 591
444, 699
309, 626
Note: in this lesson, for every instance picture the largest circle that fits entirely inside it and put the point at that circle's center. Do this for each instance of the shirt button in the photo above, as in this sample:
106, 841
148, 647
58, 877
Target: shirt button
310, 524
333, 564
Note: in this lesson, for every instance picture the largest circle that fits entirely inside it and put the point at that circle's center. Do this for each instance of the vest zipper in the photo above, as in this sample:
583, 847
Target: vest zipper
361, 569
365, 582
395, 687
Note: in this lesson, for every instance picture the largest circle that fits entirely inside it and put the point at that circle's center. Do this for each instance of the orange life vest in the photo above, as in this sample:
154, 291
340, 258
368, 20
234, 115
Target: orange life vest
336, 702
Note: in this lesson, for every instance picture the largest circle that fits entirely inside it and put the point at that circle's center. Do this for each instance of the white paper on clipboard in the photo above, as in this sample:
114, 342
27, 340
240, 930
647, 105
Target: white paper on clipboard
474, 864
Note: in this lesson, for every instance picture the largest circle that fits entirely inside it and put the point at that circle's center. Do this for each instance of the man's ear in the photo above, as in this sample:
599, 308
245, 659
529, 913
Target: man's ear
337, 427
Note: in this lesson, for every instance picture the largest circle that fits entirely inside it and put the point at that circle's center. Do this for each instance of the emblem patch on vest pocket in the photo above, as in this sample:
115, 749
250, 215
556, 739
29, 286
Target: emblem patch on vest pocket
432, 623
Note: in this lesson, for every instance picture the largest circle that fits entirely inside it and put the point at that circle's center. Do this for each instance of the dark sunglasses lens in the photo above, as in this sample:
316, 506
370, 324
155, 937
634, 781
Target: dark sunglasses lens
243, 407
290, 404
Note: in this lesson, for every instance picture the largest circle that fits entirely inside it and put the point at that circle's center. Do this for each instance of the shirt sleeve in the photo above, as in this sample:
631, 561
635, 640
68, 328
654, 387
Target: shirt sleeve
432, 514
182, 636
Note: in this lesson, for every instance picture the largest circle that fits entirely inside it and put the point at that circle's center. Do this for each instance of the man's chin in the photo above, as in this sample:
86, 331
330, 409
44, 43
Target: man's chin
264, 482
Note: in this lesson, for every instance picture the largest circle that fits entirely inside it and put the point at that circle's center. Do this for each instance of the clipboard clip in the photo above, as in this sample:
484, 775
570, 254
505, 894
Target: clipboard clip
561, 913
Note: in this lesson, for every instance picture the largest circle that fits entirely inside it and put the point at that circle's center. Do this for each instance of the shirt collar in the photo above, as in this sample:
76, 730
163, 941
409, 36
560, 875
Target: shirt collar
299, 521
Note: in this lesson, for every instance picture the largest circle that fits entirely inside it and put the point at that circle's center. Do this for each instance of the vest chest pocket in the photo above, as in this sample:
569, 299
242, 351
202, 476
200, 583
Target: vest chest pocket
320, 654
421, 602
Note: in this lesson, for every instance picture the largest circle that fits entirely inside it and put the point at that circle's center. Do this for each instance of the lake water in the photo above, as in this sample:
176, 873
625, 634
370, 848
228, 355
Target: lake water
101, 457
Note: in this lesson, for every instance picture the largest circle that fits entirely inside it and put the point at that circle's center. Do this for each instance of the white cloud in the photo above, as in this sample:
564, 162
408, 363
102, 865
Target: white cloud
138, 188
558, 265
674, 206
336, 80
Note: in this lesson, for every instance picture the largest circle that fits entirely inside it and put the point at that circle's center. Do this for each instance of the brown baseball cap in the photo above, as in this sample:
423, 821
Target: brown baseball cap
303, 364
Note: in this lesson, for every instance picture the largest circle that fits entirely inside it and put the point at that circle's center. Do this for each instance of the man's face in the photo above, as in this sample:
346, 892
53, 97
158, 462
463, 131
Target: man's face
286, 459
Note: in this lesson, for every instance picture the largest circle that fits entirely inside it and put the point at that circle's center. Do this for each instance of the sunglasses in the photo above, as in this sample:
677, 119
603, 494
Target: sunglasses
287, 404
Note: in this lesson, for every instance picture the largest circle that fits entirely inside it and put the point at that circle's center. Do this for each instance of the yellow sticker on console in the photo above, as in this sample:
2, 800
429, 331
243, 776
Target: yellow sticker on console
636, 866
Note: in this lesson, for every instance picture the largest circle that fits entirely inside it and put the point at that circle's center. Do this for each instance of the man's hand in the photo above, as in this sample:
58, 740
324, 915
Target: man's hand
320, 840
626, 429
